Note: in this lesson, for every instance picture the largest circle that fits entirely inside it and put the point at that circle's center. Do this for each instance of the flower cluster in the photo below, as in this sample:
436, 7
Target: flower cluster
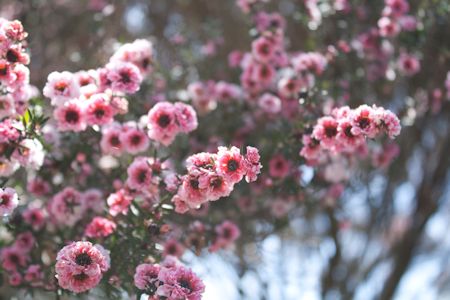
17, 147
129, 137
170, 280
94, 97
14, 75
213, 175
166, 120
16, 260
345, 130
68, 206
80, 266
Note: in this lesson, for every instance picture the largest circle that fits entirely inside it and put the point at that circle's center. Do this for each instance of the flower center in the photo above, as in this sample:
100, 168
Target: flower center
125, 77
136, 139
99, 113
83, 259
233, 165
114, 140
12, 56
5, 200
142, 176
363, 122
61, 86
164, 121
194, 184
330, 131
72, 116
185, 284
348, 132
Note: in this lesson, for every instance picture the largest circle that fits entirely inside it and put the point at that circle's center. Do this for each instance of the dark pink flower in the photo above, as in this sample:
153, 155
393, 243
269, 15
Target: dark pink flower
80, 266
100, 227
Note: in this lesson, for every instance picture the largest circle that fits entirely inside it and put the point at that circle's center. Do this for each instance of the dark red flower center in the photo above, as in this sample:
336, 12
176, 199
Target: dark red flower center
142, 176
330, 131
5, 200
184, 283
194, 183
233, 165
217, 182
12, 56
72, 116
163, 121
226, 233
136, 139
114, 141
363, 122
83, 259
99, 112
125, 77
348, 132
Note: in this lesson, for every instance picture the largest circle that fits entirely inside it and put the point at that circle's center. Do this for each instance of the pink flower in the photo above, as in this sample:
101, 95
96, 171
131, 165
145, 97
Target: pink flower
191, 192
269, 103
226, 234
388, 27
8, 201
173, 248
146, 278
15, 278
217, 187
290, 87
180, 283
34, 217
70, 116
24, 242
389, 122
34, 275
140, 53
14, 30
94, 200
12, 258
363, 121
408, 64
230, 164
345, 136
61, 87
67, 207
162, 123
279, 167
98, 110
134, 140
186, 117
80, 266
38, 187
111, 139
395, 8
252, 164
226, 92
123, 77
140, 174
119, 202
311, 148
100, 227
263, 49
325, 131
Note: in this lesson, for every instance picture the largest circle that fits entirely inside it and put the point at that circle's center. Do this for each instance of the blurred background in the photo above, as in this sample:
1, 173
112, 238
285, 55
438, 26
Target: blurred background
387, 236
